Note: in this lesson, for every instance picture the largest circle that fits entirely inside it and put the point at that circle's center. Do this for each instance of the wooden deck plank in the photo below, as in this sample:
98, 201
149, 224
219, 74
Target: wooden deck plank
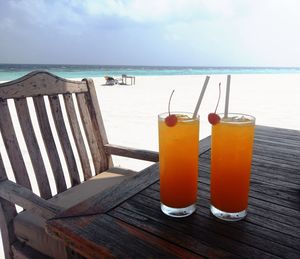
266, 210
205, 229
265, 170
113, 232
255, 224
127, 213
269, 195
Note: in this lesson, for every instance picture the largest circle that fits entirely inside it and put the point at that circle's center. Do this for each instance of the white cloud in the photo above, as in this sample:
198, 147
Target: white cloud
160, 10
204, 32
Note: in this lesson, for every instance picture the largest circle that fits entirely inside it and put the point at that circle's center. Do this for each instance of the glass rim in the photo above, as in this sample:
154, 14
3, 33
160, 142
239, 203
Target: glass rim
251, 118
163, 115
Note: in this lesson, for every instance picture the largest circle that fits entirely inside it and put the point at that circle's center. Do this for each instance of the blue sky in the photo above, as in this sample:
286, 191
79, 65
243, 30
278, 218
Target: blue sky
151, 32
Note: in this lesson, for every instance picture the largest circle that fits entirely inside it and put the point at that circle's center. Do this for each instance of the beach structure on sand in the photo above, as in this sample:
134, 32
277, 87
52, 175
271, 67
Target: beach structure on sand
125, 77
109, 80
41, 98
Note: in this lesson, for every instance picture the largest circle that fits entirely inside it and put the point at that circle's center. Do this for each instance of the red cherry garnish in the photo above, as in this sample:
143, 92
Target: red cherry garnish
213, 118
171, 120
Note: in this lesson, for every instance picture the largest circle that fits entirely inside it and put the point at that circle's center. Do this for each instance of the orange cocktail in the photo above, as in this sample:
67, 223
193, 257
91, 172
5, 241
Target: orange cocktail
231, 156
178, 159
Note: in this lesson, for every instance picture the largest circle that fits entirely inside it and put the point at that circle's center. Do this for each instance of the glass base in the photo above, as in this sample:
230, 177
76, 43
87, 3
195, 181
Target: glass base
228, 216
178, 212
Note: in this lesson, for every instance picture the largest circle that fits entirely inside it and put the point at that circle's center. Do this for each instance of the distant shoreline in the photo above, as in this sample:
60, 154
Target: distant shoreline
14, 71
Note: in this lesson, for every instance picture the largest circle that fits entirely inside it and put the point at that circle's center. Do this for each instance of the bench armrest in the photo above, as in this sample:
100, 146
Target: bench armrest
141, 154
25, 198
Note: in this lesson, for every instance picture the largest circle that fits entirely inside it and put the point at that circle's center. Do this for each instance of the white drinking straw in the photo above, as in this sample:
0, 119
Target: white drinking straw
227, 96
200, 97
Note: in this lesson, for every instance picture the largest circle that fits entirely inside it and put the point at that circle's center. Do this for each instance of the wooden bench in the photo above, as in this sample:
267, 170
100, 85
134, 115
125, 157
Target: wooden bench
51, 128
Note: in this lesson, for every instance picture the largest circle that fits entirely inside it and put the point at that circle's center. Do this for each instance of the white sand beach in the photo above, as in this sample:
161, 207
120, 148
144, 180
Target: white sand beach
130, 112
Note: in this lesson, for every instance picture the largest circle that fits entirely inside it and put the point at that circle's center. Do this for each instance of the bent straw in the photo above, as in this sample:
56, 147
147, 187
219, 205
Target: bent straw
201, 97
227, 96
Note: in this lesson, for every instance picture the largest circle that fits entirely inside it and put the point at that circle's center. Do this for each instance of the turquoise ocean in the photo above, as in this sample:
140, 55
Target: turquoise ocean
14, 71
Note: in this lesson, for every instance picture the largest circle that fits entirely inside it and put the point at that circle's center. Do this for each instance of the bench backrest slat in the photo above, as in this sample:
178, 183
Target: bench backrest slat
78, 138
49, 142
33, 147
12, 146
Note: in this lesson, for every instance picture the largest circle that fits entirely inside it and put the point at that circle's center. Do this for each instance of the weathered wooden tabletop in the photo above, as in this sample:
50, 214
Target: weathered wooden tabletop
128, 222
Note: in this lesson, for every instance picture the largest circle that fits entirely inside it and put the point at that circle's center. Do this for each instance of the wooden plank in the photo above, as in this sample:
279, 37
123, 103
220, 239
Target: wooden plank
40, 83
49, 143
278, 139
267, 169
12, 146
132, 215
131, 152
7, 214
77, 136
109, 242
288, 159
99, 158
276, 130
289, 175
290, 199
271, 185
266, 214
283, 146
64, 139
204, 145
277, 217
25, 198
201, 229
93, 105
3, 175
282, 194
253, 224
97, 122
265, 210
33, 148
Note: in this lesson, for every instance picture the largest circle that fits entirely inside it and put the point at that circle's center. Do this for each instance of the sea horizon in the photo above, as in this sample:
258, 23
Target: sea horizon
14, 71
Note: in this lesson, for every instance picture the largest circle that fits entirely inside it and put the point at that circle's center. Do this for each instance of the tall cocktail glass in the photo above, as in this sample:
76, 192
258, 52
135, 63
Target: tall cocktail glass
178, 162
231, 157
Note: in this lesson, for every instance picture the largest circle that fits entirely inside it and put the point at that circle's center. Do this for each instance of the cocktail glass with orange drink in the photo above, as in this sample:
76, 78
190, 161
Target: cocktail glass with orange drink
178, 161
231, 157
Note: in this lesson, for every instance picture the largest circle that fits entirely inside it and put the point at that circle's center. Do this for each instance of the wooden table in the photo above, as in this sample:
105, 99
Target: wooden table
125, 77
127, 221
